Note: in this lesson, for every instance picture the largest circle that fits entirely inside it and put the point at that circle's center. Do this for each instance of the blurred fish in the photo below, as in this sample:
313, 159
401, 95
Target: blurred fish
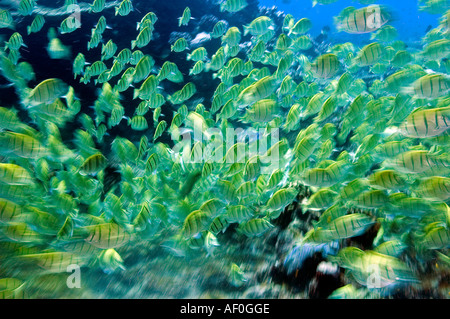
364, 20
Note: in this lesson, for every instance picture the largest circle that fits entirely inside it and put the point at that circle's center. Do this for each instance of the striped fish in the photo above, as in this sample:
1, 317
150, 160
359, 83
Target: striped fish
233, 5
369, 55
96, 68
185, 18
238, 214
305, 147
219, 224
419, 161
21, 145
213, 207
26, 7
227, 189
391, 248
159, 130
320, 200
143, 219
66, 231
36, 24
46, 92
142, 39
124, 8
55, 262
237, 276
124, 56
195, 222
386, 179
147, 89
9, 210
21, 232
255, 227
97, 6
352, 189
198, 54
437, 237
69, 25
219, 29
150, 17
437, 50
326, 66
108, 50
350, 225
262, 111
6, 19
198, 67
106, 236
12, 174
12, 288
388, 269
281, 199
143, 68
100, 27
93, 164
258, 91
318, 177
371, 199
434, 188
259, 26
300, 27
330, 214
431, 86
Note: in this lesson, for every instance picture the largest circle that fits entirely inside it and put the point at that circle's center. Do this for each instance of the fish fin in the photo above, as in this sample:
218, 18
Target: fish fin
307, 66
407, 90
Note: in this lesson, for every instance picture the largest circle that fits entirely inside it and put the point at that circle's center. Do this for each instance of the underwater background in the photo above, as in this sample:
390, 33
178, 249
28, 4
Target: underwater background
118, 178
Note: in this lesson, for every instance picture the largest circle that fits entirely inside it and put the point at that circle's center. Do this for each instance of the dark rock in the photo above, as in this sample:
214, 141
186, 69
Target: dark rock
285, 217
298, 279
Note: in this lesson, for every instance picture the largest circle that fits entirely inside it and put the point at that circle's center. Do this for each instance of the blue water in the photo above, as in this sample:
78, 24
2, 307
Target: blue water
409, 21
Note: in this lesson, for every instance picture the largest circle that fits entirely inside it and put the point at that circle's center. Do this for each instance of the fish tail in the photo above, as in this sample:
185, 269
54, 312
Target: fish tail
246, 30
307, 67
207, 67
135, 94
25, 93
